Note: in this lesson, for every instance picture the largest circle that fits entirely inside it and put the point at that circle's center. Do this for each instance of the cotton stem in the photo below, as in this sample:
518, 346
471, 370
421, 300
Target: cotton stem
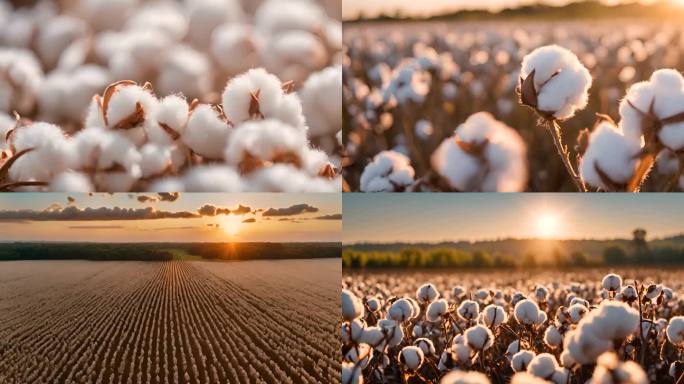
554, 130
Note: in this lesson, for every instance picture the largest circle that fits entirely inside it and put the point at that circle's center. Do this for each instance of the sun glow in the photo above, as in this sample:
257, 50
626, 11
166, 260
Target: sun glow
231, 225
548, 224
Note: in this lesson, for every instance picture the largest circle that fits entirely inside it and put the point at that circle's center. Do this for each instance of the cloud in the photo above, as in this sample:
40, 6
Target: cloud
242, 210
96, 227
72, 213
145, 199
212, 210
297, 209
70, 200
172, 228
250, 220
336, 216
169, 196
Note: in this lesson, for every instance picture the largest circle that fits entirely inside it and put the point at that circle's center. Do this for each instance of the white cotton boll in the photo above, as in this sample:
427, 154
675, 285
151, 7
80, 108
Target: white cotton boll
468, 310
389, 171
614, 153
560, 376
70, 181
541, 294
290, 112
566, 359
585, 343
206, 132
411, 357
668, 104
321, 97
53, 153
238, 94
464, 377
186, 71
479, 337
265, 140
171, 117
653, 291
163, 16
576, 312
212, 178
294, 55
66, 95
457, 291
235, 47
351, 374
155, 159
427, 293
675, 330
288, 178
638, 99
56, 35
315, 161
426, 346
560, 80
353, 331
424, 129
494, 315
117, 152
352, 307
437, 310
116, 181
512, 349
393, 330
612, 282
493, 157
107, 14
401, 311
124, 103
7, 123
527, 312
374, 304
552, 336
521, 360
527, 378
205, 15
167, 184
277, 16
461, 352
88, 144
610, 370
667, 80
360, 355
629, 293
543, 365
22, 78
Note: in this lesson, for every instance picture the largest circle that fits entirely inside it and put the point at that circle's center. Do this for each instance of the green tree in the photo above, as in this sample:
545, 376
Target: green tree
614, 255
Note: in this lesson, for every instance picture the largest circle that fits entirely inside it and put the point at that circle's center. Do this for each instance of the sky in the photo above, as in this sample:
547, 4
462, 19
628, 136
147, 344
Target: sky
452, 217
122, 217
351, 8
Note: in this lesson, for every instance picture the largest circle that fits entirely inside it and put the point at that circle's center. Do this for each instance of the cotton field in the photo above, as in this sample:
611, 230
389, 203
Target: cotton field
196, 95
169, 322
514, 106
583, 326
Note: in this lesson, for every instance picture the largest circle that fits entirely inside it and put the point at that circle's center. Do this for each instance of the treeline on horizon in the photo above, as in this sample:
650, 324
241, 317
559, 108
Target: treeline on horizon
577, 10
455, 258
167, 251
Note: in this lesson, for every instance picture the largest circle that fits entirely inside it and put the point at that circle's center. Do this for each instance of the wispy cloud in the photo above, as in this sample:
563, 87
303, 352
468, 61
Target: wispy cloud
293, 210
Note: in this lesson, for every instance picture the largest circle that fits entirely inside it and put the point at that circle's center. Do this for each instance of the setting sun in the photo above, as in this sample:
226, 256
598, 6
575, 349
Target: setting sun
548, 224
231, 224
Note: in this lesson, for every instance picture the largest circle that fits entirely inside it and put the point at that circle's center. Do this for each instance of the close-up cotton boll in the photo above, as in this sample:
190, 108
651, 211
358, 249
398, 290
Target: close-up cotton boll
675, 330
230, 40
543, 365
351, 306
351, 374
610, 370
494, 315
389, 171
401, 310
521, 360
527, 312
483, 155
51, 152
206, 133
322, 101
436, 310
426, 294
479, 337
559, 82
212, 178
465, 377
411, 357
612, 282
21, 82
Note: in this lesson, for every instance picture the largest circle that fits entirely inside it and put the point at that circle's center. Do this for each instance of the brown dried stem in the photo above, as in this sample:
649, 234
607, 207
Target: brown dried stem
554, 129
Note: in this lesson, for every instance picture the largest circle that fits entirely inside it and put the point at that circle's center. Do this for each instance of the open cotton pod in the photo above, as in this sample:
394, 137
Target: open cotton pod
21, 82
207, 132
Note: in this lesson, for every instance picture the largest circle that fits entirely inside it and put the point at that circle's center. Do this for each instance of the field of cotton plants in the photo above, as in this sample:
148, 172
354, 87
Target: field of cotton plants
583, 326
169, 322
514, 106
194, 95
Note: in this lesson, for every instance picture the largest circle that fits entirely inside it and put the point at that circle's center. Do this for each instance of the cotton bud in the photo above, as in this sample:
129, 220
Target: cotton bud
206, 133
479, 337
351, 374
457, 292
373, 304
629, 293
322, 101
562, 315
554, 82
611, 158
483, 155
675, 330
610, 370
493, 315
411, 358
521, 360
543, 366
401, 311
580, 301
352, 307
653, 291
468, 310
517, 297
541, 294
425, 345
21, 82
352, 332
437, 310
612, 282
576, 312
463, 377
258, 144
388, 172
426, 294
552, 336
256, 95
70, 181
360, 355
527, 313
52, 153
